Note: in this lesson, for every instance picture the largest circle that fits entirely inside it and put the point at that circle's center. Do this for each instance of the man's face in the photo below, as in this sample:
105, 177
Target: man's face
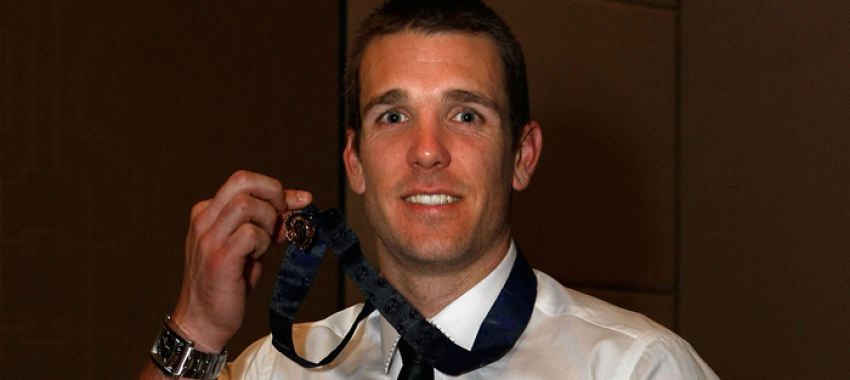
435, 159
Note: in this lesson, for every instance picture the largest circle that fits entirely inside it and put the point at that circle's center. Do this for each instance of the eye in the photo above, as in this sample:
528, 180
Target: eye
467, 116
392, 117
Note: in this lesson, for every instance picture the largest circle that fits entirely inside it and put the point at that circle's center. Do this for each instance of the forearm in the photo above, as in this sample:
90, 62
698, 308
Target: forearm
151, 372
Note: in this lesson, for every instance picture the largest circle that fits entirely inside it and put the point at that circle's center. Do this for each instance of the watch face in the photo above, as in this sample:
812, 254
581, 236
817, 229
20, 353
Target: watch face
166, 345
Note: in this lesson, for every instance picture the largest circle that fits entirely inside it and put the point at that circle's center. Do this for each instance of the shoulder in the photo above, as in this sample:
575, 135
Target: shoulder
606, 340
559, 302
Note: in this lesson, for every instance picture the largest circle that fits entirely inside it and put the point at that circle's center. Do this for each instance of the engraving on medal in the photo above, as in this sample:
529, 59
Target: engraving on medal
299, 229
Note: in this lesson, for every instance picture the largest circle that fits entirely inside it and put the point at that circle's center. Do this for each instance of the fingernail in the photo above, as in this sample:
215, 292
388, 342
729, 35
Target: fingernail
302, 196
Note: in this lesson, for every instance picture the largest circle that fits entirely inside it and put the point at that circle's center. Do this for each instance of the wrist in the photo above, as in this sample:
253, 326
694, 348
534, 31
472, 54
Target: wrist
178, 356
208, 334
204, 338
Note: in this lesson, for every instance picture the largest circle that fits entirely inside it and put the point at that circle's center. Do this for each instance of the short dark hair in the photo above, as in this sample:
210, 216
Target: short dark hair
440, 16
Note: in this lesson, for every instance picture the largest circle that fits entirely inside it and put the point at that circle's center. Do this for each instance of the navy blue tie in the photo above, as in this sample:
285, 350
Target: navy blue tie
414, 366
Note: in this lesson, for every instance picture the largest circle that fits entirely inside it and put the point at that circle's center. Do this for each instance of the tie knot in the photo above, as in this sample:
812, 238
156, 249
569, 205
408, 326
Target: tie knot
408, 354
414, 365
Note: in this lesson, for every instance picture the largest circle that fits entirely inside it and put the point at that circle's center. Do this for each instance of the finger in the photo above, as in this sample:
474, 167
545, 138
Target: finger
243, 208
253, 268
200, 207
256, 185
296, 199
198, 220
249, 239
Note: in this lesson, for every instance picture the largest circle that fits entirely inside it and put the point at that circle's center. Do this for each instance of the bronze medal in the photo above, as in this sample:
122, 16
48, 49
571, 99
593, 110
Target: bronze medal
299, 229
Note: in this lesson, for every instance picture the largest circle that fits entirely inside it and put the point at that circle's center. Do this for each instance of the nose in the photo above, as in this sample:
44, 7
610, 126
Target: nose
428, 147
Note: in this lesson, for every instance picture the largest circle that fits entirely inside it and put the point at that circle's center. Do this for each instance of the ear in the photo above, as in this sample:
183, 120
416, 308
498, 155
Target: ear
527, 153
352, 165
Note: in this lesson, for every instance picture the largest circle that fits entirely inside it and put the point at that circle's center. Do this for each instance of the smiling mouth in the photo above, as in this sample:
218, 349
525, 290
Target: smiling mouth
431, 199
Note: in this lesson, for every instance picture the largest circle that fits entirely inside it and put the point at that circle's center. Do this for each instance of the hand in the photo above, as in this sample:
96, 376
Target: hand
227, 238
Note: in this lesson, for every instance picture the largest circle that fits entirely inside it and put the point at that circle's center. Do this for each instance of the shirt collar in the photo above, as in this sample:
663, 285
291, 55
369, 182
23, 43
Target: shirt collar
462, 318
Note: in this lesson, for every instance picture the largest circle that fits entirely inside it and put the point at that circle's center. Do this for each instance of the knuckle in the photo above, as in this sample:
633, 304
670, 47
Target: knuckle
277, 185
206, 244
199, 208
212, 264
264, 237
240, 202
195, 228
249, 232
241, 176
262, 242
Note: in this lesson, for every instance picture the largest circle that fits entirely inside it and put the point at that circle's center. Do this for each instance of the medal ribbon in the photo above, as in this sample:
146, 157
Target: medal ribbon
500, 330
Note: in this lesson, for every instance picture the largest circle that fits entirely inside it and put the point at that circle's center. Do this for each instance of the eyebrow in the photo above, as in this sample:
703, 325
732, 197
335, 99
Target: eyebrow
394, 96
464, 96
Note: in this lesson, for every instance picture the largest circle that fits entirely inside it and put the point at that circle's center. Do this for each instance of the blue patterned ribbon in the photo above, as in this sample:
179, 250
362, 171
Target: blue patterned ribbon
500, 330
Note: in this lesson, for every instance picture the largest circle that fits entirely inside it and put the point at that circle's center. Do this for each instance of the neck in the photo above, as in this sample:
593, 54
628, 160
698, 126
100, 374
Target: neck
431, 286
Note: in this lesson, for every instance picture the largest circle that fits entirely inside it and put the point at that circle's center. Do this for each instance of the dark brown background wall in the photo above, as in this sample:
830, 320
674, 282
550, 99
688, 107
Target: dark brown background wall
116, 118
765, 187
695, 166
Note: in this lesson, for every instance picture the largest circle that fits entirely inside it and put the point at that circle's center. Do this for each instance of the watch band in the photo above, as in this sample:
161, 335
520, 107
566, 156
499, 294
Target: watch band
176, 356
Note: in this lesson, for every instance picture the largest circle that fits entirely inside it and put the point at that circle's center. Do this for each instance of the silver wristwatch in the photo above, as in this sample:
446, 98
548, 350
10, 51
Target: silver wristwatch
176, 356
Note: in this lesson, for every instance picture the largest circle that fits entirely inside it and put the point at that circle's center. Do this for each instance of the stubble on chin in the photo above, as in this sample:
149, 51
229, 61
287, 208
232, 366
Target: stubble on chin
431, 253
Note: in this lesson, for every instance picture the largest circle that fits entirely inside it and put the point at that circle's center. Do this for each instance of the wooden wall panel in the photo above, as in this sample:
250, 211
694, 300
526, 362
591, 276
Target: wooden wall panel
601, 209
765, 234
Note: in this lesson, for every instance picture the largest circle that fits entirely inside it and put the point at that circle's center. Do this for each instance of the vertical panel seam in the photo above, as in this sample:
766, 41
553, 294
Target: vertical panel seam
342, 179
677, 176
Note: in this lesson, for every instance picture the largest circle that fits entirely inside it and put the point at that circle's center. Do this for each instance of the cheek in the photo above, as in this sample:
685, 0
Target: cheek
501, 175
486, 161
379, 164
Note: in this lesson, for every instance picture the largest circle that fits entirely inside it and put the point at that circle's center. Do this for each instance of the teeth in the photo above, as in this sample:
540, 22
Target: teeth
431, 199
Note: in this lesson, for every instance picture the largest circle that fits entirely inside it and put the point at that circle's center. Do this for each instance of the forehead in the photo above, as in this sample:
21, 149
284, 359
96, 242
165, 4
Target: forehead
432, 63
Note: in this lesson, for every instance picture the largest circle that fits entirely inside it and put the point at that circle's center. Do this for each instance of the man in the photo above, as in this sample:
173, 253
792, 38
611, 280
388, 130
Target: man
439, 137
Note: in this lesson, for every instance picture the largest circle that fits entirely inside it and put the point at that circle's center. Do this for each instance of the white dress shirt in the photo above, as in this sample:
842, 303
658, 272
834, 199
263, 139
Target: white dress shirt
570, 336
